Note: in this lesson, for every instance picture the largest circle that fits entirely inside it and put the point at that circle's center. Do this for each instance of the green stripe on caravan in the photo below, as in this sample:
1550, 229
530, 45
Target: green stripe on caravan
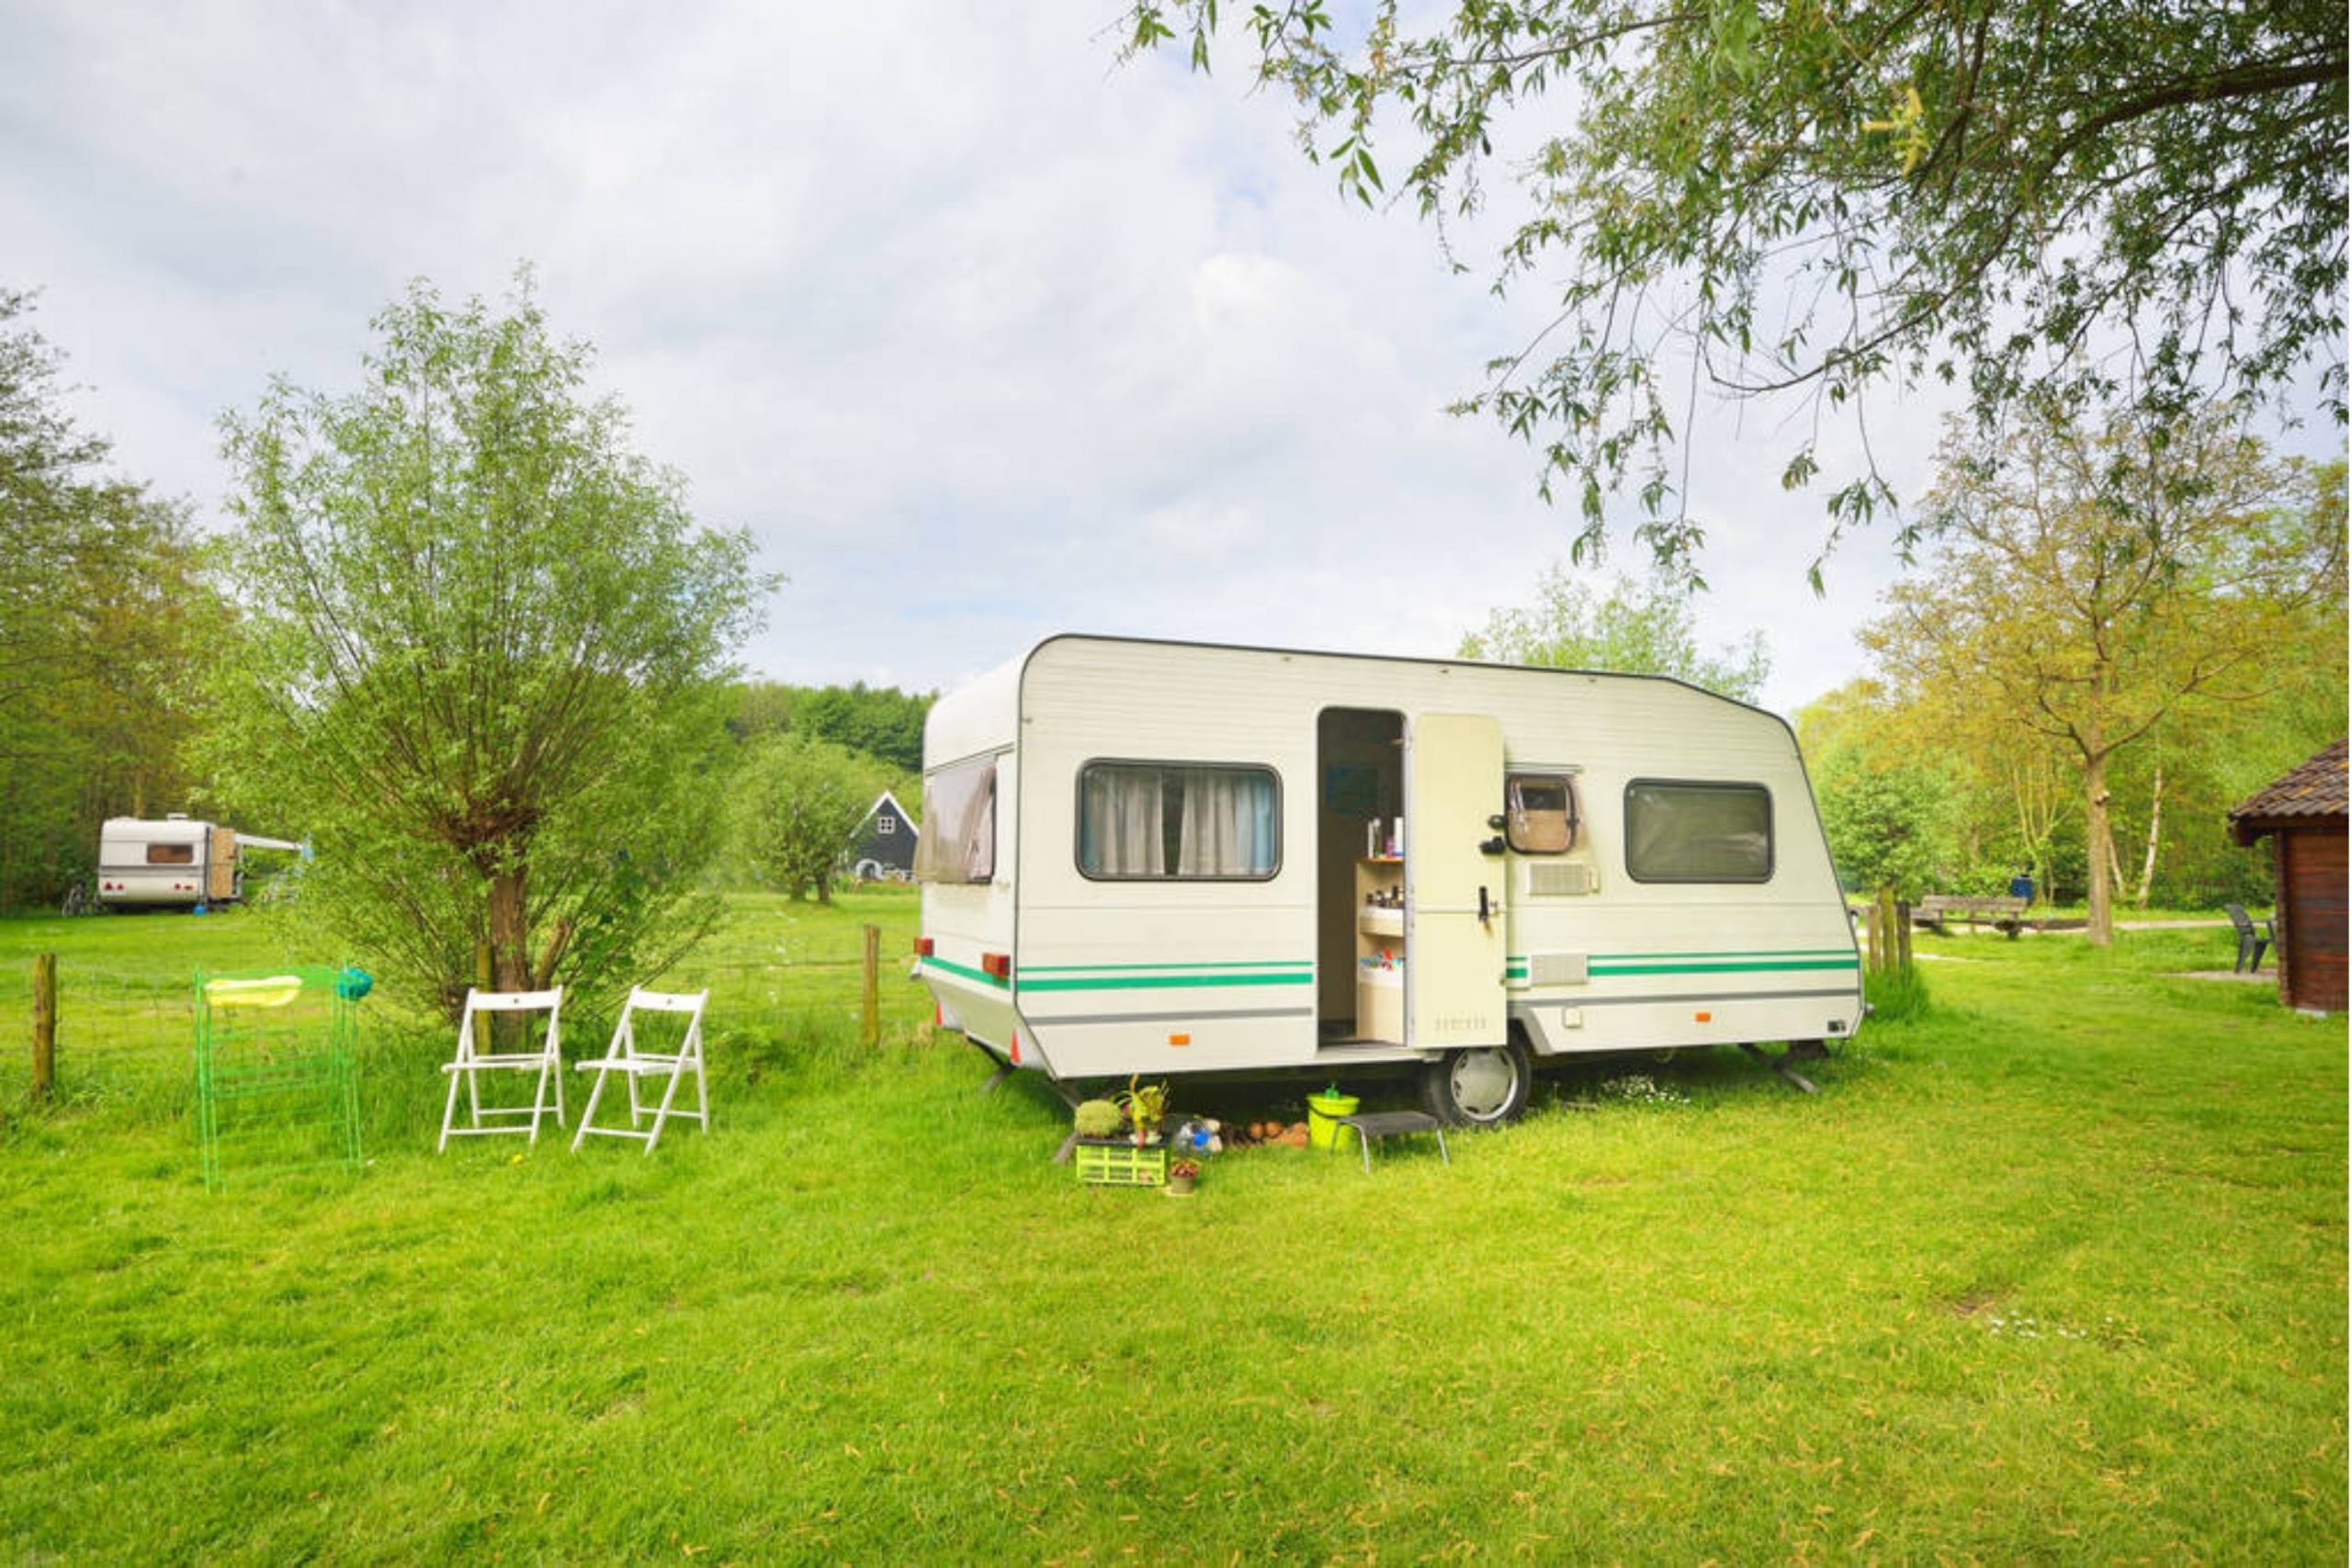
1139, 976
963, 972
1162, 976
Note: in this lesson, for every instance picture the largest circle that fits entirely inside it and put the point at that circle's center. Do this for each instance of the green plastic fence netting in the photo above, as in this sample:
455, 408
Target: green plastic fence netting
277, 1084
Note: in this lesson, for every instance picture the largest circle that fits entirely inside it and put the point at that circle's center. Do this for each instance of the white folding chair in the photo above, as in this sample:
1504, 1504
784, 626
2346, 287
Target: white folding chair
544, 1060
627, 1057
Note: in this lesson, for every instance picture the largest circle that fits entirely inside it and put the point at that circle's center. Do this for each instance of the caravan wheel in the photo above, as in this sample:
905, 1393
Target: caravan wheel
1483, 1087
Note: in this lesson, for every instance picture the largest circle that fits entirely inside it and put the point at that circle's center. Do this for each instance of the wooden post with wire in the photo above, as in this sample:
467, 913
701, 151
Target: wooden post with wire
44, 1025
871, 998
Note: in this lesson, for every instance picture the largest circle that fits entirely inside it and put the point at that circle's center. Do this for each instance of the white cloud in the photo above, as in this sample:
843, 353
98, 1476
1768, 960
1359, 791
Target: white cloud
982, 334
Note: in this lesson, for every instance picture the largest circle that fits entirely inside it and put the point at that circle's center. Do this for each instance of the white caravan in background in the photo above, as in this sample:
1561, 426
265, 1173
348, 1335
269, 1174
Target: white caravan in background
174, 864
1167, 858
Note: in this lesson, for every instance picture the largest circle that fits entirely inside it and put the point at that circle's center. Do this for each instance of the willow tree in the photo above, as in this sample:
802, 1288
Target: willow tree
482, 659
1828, 201
2102, 574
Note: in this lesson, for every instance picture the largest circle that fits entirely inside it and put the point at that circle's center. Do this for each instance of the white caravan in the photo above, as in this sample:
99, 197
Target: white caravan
1162, 858
174, 864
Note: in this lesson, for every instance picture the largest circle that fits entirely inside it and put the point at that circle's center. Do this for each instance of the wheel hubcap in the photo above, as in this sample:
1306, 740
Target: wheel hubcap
1484, 1083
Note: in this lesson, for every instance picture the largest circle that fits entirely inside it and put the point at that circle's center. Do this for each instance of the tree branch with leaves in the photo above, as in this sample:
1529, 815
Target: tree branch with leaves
1832, 203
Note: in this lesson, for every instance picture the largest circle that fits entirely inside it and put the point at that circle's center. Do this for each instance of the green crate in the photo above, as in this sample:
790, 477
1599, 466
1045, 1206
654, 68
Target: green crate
1123, 1164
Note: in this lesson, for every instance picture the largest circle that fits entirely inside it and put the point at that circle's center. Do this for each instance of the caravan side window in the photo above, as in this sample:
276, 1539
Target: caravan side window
1145, 821
959, 802
1678, 831
1540, 813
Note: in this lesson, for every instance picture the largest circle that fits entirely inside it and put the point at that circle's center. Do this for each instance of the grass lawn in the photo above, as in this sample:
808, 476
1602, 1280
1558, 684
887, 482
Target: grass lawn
2054, 1270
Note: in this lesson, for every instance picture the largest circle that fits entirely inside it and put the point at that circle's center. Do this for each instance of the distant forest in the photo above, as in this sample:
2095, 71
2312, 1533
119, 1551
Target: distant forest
883, 722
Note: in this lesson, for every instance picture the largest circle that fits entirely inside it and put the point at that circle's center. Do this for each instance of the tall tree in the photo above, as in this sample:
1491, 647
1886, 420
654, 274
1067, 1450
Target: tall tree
803, 801
2101, 575
103, 616
1828, 200
1890, 826
485, 654
1636, 628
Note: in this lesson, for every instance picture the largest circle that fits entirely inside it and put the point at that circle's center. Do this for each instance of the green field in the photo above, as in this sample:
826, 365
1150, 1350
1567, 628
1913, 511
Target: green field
2056, 1270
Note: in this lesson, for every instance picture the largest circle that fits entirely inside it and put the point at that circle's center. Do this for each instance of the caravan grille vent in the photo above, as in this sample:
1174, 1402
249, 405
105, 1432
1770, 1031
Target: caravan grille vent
1561, 878
1559, 968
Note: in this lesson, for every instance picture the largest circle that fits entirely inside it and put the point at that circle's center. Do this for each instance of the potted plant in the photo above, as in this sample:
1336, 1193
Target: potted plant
1147, 1107
1183, 1173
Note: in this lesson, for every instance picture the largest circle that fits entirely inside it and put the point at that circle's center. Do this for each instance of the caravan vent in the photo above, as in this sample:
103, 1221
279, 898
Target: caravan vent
1558, 968
1561, 878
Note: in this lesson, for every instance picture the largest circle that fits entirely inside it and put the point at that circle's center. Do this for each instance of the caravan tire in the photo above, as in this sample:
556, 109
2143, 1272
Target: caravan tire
1481, 1087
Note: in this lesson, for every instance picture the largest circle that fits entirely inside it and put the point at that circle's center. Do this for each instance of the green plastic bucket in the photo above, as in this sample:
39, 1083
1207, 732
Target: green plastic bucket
1323, 1111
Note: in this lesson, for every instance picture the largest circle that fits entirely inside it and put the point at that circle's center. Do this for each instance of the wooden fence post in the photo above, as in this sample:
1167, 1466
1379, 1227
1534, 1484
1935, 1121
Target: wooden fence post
872, 997
44, 1025
1890, 936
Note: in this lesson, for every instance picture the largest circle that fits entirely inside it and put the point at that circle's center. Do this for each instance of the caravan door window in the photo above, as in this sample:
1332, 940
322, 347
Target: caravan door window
1147, 821
1679, 832
960, 803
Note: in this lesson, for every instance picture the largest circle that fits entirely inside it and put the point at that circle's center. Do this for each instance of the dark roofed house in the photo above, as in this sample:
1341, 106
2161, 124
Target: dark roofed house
2305, 812
886, 845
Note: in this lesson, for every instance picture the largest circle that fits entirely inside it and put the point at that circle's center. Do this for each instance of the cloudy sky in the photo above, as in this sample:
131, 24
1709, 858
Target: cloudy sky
982, 334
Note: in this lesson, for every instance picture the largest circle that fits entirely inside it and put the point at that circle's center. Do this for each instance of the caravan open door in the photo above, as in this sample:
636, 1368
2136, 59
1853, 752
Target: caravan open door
1454, 941
220, 865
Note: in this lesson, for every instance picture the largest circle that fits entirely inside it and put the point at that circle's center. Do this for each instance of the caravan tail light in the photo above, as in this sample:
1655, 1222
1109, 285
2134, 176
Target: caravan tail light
924, 947
997, 965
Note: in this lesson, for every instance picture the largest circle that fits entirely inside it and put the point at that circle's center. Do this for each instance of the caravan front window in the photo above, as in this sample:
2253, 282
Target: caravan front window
959, 802
1679, 832
1175, 821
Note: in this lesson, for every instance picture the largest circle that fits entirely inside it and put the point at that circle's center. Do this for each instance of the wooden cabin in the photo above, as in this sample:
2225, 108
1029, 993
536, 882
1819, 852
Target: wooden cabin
2305, 814
886, 844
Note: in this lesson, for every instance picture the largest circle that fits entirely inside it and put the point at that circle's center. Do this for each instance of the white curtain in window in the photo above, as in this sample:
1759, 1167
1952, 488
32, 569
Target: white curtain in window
1228, 824
1120, 823
978, 834
959, 802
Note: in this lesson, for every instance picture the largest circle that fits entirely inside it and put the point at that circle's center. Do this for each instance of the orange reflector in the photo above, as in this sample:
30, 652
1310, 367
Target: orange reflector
1704, 1017
924, 947
1180, 1040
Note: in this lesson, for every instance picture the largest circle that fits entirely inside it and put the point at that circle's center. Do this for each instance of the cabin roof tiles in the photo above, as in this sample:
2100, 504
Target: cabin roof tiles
2315, 790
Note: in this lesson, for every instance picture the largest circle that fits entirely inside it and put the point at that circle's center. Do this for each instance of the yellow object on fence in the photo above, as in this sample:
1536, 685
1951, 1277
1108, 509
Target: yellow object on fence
266, 991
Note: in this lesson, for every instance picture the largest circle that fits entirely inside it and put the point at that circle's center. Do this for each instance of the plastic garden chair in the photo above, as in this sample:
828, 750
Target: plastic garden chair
2253, 940
635, 1064
544, 1062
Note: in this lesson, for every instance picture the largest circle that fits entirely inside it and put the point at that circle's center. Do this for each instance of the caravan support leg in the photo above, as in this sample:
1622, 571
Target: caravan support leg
1004, 1070
1798, 1050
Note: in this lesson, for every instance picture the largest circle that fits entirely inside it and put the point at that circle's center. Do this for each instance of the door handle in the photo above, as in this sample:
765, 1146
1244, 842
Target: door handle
1483, 917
